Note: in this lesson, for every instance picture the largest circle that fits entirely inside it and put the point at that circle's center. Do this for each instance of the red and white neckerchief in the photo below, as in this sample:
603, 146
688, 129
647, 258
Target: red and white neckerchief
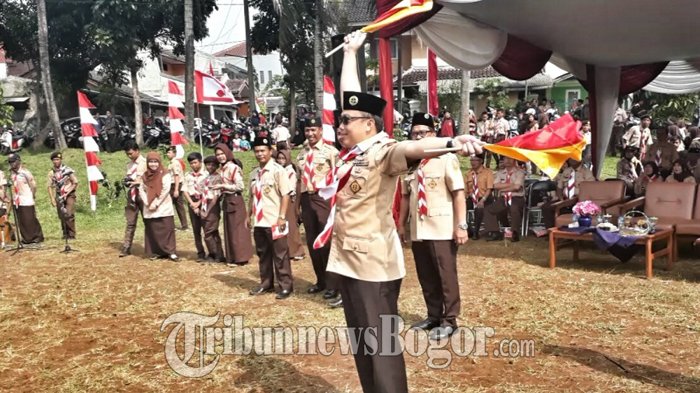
422, 197
196, 187
290, 171
205, 195
308, 175
571, 186
657, 159
508, 195
131, 174
233, 174
15, 188
652, 178
257, 194
475, 192
334, 182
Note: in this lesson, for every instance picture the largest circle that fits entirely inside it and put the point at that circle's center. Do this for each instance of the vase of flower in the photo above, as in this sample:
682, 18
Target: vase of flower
584, 221
585, 210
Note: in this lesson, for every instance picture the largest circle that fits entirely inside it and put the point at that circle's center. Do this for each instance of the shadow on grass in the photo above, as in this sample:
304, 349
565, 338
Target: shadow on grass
270, 374
627, 369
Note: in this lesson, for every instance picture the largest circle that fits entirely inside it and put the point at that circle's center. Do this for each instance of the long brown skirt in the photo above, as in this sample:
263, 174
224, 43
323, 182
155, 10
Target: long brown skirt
159, 236
29, 226
237, 239
296, 247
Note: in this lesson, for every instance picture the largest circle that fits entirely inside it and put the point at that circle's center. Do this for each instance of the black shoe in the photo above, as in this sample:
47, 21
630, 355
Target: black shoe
441, 333
259, 291
475, 235
330, 294
515, 238
336, 303
426, 324
124, 252
283, 294
315, 289
494, 237
201, 258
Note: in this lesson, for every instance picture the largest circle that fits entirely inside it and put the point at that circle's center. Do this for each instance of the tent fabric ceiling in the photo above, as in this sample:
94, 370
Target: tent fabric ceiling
679, 77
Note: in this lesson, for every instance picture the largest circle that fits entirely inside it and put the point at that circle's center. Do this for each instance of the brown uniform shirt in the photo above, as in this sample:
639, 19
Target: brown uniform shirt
163, 202
517, 176
63, 173
193, 183
441, 177
365, 244
175, 169
324, 160
23, 182
231, 178
275, 184
484, 180
628, 171
136, 169
667, 152
580, 174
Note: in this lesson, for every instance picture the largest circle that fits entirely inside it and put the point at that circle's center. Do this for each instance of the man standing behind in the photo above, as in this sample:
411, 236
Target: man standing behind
134, 170
281, 136
479, 188
662, 152
315, 161
432, 201
509, 182
176, 168
269, 199
61, 184
23, 192
638, 136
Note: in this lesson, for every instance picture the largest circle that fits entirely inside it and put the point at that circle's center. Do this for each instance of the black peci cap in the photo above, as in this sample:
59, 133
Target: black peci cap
262, 141
423, 119
357, 101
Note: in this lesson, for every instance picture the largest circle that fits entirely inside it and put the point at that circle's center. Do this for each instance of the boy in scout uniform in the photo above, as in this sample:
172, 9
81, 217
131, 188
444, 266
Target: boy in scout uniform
23, 194
433, 202
134, 170
269, 199
365, 247
192, 191
210, 210
510, 184
315, 161
568, 182
61, 185
479, 190
176, 168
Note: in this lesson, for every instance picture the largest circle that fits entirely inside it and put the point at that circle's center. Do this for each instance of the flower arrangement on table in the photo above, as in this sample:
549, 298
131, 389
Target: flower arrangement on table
587, 209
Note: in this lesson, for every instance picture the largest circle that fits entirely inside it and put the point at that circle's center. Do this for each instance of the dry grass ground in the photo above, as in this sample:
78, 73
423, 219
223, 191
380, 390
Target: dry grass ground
91, 321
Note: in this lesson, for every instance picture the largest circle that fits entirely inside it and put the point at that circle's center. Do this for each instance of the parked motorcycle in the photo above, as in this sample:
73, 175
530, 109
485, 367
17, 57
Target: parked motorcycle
12, 140
156, 134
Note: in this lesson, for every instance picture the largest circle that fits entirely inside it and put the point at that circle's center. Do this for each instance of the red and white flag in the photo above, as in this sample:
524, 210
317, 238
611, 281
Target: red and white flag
329, 107
433, 106
210, 91
87, 126
175, 117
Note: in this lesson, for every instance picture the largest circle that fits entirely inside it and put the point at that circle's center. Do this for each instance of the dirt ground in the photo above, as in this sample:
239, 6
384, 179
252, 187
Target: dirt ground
92, 321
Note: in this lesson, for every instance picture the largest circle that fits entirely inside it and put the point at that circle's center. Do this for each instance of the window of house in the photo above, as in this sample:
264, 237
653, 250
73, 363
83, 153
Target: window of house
262, 77
571, 96
165, 66
269, 76
393, 44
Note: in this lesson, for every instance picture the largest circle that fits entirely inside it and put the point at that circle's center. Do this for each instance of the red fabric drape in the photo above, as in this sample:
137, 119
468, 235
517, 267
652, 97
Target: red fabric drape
521, 60
633, 78
433, 105
386, 84
404, 25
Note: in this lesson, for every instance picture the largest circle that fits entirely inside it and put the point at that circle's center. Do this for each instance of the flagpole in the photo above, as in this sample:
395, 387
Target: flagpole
201, 130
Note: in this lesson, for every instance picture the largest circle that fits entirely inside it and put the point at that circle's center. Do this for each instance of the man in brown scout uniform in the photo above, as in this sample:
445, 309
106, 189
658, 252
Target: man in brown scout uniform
269, 199
192, 192
23, 192
315, 161
433, 203
134, 170
210, 210
176, 168
510, 184
61, 185
365, 247
479, 188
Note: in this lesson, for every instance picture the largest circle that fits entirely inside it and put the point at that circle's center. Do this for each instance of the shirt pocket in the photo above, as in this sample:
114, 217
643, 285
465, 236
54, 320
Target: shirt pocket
439, 211
357, 245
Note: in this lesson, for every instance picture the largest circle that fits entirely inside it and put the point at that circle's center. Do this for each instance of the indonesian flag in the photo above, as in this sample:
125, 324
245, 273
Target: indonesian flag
87, 126
329, 107
175, 117
210, 91
402, 10
433, 106
548, 148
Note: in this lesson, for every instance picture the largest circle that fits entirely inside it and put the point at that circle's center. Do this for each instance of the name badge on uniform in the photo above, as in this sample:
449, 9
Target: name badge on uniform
361, 162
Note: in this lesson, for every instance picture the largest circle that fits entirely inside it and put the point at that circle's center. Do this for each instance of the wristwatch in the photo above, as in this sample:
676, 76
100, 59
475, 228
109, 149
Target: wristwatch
464, 227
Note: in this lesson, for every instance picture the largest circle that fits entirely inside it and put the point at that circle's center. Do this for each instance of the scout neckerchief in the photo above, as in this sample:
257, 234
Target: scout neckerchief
131, 174
657, 159
15, 187
257, 194
571, 185
337, 179
508, 195
59, 175
308, 176
475, 192
422, 198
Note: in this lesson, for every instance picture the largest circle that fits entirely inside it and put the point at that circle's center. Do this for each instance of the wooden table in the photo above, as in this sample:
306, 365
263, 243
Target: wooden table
646, 240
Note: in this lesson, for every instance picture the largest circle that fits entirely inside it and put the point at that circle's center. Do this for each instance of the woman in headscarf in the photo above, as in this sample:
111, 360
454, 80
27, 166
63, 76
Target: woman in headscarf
237, 241
680, 173
158, 219
296, 247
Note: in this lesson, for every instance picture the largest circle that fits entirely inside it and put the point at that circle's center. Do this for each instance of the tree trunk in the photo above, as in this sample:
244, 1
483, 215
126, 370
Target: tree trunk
138, 113
464, 115
189, 68
249, 59
293, 109
318, 59
46, 76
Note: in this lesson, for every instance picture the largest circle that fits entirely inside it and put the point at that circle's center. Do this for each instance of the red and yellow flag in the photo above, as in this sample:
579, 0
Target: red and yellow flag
402, 10
548, 148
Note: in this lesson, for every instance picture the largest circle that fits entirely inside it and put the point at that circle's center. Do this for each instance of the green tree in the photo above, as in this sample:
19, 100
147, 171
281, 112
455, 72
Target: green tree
492, 90
6, 111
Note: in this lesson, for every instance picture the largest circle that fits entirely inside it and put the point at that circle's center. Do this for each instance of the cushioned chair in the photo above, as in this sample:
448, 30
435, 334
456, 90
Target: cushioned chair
671, 203
605, 194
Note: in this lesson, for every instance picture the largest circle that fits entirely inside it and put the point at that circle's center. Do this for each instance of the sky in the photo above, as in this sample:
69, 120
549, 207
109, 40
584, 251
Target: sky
226, 27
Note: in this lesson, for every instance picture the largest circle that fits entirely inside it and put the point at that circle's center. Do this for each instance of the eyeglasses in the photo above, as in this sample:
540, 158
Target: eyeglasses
420, 133
345, 119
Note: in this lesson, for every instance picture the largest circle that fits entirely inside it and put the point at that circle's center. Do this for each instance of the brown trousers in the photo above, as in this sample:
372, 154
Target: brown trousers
179, 205
478, 212
131, 213
159, 236
197, 229
212, 237
67, 218
314, 214
498, 211
296, 247
274, 259
239, 247
363, 303
436, 266
29, 226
